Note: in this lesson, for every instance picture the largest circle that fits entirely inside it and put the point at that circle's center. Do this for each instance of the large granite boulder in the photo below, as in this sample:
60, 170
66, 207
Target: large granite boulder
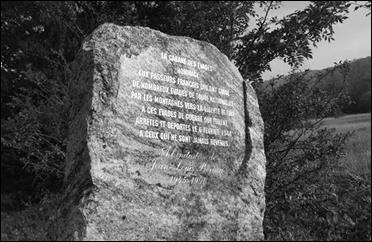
165, 143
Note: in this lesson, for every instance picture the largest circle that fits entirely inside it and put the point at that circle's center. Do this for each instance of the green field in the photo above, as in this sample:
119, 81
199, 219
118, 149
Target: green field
358, 150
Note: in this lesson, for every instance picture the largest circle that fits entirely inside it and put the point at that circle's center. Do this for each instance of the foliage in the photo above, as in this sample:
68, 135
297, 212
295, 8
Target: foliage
357, 86
32, 223
35, 47
360, 87
307, 188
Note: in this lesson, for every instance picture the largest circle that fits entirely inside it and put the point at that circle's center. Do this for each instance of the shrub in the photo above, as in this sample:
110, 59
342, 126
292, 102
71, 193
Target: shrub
306, 195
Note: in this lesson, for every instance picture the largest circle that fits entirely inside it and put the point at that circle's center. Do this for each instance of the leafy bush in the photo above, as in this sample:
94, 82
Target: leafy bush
309, 194
32, 223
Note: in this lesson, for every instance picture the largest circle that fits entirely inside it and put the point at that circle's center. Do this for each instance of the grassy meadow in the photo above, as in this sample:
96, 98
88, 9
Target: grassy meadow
358, 150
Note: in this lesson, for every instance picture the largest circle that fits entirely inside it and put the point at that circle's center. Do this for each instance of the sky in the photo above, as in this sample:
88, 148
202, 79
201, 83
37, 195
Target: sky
352, 41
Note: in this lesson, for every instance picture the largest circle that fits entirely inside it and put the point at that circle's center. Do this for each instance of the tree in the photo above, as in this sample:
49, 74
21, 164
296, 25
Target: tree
253, 40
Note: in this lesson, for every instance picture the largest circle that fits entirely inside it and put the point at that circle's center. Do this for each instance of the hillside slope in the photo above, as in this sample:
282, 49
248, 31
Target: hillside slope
357, 84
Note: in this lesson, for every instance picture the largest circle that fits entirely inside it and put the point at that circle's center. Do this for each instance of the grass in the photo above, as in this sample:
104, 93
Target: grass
355, 194
358, 149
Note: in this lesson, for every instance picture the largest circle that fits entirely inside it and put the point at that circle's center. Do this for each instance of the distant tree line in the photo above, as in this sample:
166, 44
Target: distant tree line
356, 84
359, 87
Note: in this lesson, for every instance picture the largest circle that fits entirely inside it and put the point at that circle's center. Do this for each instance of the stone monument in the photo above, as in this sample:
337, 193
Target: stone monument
165, 142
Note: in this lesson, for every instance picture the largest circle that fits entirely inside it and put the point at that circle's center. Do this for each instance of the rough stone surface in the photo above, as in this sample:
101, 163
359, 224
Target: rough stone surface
120, 186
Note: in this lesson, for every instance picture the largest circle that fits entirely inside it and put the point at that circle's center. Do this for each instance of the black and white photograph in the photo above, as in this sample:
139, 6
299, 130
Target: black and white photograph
185, 121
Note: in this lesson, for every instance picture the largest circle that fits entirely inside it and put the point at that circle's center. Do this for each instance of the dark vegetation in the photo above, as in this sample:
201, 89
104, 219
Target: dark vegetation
309, 194
357, 86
